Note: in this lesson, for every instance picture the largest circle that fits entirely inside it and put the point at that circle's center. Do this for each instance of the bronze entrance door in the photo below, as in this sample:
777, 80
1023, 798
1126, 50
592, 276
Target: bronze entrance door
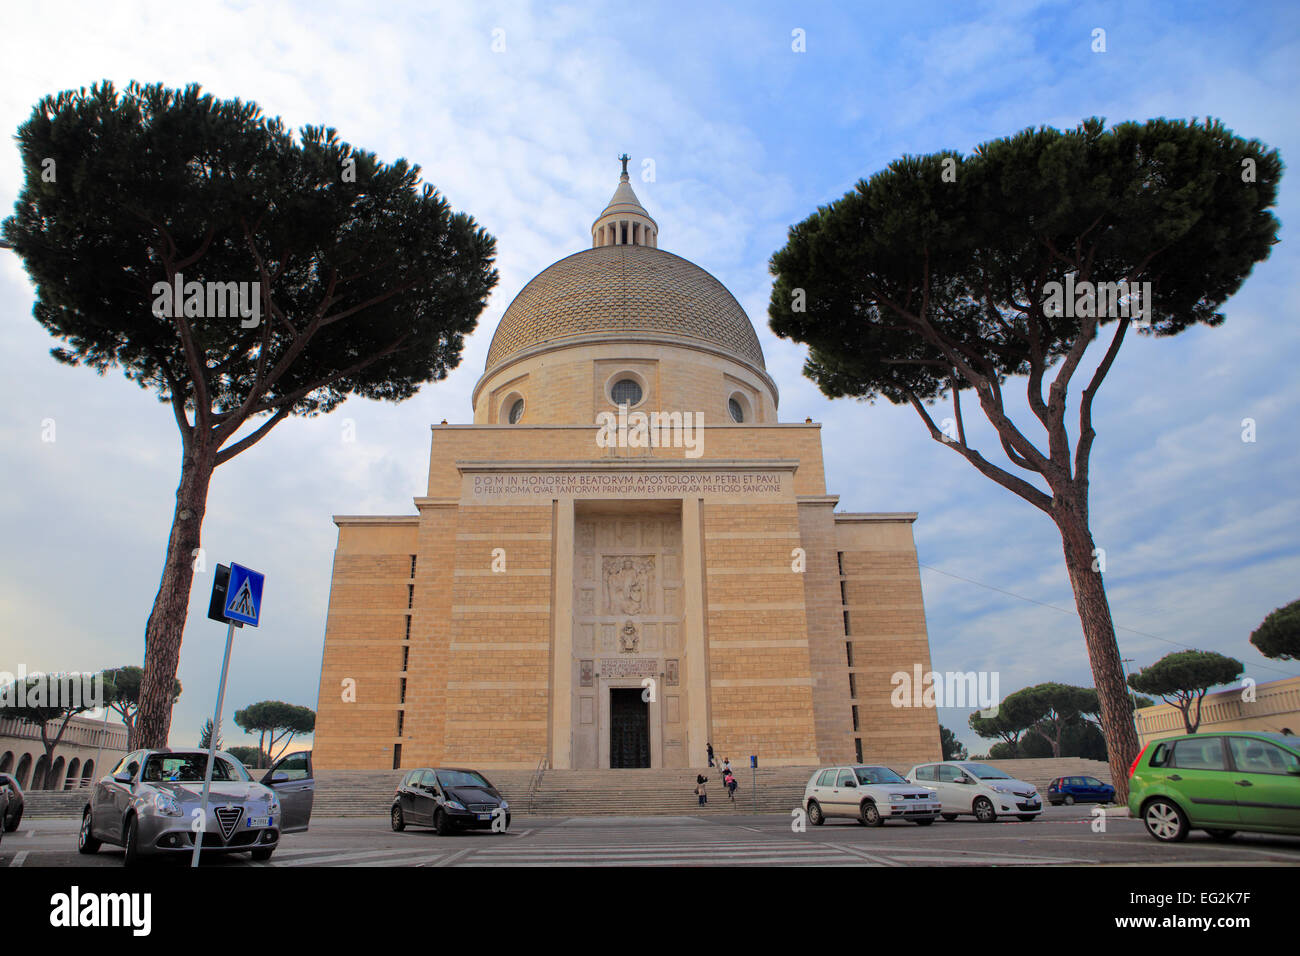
629, 728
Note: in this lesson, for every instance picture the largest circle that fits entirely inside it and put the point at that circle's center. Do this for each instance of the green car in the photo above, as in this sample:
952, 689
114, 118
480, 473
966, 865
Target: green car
1219, 783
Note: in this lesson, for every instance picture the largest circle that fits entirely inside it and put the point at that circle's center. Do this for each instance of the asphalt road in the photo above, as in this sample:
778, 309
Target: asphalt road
1063, 836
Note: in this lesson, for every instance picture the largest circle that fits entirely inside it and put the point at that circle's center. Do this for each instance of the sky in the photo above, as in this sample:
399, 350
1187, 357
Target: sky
516, 112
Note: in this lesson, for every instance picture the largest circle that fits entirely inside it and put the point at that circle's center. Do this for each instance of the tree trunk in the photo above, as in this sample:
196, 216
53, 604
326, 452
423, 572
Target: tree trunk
1103, 651
162, 640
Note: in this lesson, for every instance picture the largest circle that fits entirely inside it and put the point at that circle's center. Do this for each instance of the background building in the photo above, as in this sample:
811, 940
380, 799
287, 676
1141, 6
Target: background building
1276, 707
77, 759
623, 595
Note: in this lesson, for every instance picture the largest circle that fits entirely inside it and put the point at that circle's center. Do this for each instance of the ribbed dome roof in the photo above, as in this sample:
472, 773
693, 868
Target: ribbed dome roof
613, 290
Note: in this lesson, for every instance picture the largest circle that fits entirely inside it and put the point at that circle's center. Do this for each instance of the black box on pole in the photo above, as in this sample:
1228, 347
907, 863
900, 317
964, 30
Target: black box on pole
217, 603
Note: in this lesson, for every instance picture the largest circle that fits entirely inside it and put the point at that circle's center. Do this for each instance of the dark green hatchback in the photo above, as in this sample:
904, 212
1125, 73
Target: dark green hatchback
1220, 783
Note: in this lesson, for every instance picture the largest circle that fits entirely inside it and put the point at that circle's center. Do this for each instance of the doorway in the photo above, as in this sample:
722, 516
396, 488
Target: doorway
629, 728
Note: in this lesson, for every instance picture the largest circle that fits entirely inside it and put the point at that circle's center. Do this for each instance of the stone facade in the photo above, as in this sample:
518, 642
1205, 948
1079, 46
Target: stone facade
561, 598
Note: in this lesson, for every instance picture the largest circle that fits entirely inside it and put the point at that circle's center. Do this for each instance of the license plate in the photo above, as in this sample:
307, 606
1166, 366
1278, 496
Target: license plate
259, 822
485, 816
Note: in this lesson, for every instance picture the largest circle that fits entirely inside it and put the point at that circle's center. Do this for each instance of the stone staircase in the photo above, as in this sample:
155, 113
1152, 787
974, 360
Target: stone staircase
368, 793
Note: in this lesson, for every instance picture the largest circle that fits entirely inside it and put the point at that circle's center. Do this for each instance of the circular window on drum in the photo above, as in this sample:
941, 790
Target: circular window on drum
516, 411
626, 391
738, 408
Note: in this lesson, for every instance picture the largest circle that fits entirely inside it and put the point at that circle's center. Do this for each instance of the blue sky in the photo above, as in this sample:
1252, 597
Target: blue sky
747, 137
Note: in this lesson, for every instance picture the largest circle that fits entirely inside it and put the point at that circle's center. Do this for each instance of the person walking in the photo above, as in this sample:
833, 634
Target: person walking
700, 790
730, 781
710, 755
726, 765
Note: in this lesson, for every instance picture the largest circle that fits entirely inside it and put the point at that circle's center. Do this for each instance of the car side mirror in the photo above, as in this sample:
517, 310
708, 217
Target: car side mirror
849, 783
279, 777
122, 777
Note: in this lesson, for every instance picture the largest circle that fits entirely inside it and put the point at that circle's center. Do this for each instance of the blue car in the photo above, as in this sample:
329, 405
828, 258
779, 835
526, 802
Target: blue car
1072, 790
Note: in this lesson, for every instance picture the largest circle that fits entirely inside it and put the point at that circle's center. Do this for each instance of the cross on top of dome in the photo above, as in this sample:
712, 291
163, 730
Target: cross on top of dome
624, 221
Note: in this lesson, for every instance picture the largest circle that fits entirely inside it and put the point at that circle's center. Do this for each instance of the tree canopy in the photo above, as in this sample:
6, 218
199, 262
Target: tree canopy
279, 720
1278, 635
122, 692
950, 746
1183, 678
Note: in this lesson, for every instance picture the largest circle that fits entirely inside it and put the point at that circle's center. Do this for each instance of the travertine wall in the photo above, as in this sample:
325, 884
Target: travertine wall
760, 682
882, 584
365, 633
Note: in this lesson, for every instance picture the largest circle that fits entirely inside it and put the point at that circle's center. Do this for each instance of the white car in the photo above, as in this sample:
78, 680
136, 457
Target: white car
870, 794
986, 792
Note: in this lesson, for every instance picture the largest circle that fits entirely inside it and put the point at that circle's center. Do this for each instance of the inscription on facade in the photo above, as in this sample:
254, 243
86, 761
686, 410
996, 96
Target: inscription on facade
627, 667
665, 484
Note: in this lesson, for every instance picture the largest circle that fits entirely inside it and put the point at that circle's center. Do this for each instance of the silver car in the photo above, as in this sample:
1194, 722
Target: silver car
151, 804
870, 794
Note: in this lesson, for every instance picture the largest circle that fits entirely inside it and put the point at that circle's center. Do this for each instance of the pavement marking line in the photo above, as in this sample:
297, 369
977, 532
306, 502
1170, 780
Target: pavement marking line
453, 857
19, 858
854, 851
332, 856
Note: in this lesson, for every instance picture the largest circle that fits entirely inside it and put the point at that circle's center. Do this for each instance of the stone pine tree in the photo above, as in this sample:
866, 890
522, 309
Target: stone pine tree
1278, 635
1184, 677
950, 746
947, 274
240, 273
281, 721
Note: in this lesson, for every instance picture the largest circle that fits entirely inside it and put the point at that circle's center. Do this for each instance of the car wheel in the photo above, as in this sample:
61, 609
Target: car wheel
1221, 835
12, 825
1068, 801
1165, 821
86, 842
984, 811
815, 815
1026, 817
949, 816
441, 823
924, 823
262, 854
398, 821
870, 815
132, 843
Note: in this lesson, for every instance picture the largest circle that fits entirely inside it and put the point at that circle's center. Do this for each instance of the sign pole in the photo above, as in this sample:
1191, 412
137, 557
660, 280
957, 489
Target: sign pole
212, 747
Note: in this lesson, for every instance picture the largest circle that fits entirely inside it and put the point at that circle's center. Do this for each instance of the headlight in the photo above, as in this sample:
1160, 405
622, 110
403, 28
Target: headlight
896, 797
1001, 789
166, 804
453, 805
504, 805
274, 804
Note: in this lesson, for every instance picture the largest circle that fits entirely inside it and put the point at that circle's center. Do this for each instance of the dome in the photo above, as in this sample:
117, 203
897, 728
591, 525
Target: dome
609, 291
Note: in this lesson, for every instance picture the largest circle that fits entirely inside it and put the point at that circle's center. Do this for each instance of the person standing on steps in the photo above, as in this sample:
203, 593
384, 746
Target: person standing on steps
710, 755
726, 765
700, 790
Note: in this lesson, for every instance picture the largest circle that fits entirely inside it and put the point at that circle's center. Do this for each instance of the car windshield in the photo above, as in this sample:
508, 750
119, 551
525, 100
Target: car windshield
869, 775
189, 768
461, 778
984, 771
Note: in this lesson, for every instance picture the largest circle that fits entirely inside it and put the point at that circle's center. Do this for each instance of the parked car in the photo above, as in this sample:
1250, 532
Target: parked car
448, 799
1219, 783
965, 787
869, 794
12, 813
1072, 790
148, 804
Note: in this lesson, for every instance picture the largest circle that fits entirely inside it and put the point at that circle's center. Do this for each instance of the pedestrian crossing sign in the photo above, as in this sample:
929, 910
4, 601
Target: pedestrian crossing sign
244, 595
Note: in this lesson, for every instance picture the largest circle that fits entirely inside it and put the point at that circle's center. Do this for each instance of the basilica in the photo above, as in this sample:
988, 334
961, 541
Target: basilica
626, 557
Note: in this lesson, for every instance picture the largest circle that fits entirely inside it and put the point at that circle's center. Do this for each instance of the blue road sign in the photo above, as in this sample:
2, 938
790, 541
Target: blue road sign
244, 594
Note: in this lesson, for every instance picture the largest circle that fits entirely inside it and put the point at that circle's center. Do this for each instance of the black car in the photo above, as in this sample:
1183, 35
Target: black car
12, 811
449, 799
